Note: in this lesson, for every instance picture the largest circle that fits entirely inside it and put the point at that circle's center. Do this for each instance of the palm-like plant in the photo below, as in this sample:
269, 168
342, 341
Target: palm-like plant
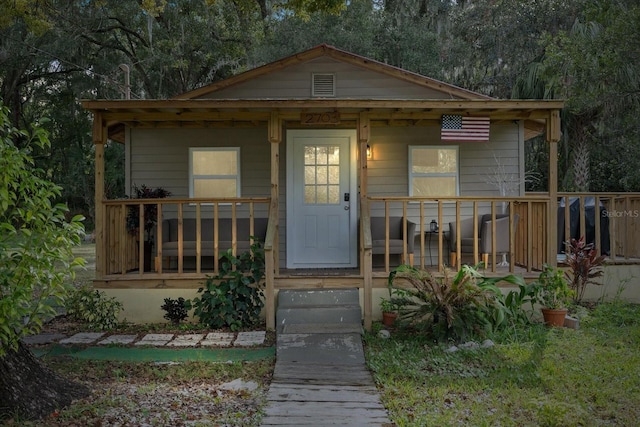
451, 307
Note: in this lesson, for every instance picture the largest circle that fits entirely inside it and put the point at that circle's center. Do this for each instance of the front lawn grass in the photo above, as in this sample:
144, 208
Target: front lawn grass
159, 394
544, 377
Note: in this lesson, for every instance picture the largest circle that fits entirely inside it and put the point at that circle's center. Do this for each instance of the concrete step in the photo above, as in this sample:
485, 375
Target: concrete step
322, 328
317, 297
324, 314
321, 310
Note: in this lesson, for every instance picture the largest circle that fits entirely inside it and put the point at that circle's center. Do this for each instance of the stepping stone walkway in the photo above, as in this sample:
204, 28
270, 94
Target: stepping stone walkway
156, 340
189, 340
218, 339
212, 339
118, 340
83, 338
250, 339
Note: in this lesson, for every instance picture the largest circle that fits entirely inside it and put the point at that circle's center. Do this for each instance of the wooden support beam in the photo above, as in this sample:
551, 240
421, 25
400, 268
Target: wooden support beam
99, 140
553, 136
364, 127
440, 239
364, 134
272, 263
367, 261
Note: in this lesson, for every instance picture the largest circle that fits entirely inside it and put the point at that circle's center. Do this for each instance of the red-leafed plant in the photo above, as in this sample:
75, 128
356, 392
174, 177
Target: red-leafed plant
584, 266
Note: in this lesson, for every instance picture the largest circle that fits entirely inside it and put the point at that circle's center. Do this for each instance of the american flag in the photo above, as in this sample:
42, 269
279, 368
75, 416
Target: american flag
464, 129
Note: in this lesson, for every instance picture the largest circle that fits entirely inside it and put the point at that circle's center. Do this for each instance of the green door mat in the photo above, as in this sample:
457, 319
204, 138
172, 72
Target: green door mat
159, 354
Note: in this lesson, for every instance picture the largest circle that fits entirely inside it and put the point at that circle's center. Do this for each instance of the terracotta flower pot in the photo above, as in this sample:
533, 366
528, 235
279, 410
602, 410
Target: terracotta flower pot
389, 318
554, 317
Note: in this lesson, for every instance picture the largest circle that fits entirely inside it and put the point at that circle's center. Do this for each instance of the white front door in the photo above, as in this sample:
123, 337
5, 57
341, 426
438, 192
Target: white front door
321, 199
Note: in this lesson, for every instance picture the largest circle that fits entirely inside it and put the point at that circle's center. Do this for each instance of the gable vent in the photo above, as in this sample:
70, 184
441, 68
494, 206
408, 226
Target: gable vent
323, 85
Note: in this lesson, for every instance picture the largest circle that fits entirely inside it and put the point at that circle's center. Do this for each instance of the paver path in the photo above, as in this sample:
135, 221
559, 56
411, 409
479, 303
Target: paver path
212, 339
320, 379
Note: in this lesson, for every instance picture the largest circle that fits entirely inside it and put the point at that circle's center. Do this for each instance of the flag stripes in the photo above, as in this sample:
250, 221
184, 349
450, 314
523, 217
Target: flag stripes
464, 129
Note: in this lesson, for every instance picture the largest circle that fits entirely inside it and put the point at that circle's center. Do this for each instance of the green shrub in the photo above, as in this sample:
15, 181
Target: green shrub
233, 298
457, 308
94, 308
176, 309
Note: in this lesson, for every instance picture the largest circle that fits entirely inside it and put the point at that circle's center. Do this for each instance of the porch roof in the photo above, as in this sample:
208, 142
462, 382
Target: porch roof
169, 113
495, 108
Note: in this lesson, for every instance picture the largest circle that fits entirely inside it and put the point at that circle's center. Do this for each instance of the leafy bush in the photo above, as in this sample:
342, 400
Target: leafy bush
36, 237
452, 308
233, 298
93, 307
176, 309
515, 301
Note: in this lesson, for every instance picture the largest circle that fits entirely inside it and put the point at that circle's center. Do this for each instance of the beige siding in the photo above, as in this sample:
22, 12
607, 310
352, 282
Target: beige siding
388, 173
160, 157
351, 82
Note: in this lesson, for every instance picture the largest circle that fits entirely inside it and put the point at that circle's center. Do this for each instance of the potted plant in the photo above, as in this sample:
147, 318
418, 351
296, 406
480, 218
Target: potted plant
398, 298
389, 311
553, 293
150, 217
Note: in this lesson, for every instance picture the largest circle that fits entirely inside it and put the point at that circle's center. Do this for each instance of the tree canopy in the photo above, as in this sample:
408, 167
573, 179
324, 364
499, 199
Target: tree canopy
53, 53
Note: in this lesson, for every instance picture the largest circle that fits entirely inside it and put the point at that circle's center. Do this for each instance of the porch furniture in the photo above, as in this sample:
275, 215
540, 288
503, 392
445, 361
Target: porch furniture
502, 235
225, 236
466, 237
396, 238
484, 236
434, 235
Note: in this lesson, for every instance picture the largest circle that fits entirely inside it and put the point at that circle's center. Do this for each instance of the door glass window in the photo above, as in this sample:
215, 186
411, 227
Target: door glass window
321, 174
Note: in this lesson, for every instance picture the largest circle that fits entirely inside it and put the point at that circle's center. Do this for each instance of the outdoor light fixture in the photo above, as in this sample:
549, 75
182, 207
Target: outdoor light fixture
368, 151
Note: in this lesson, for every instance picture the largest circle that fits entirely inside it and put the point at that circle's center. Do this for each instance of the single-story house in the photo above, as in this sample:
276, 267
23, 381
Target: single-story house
344, 167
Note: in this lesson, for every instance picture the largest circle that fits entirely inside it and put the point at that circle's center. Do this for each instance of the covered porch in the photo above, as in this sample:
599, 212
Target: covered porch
529, 247
531, 219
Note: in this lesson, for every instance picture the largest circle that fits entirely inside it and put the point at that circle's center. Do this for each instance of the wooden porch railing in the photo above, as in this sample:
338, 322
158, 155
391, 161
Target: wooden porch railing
610, 220
614, 226
527, 244
124, 254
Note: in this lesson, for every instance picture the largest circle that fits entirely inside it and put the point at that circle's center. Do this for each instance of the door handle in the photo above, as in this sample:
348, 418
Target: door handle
346, 208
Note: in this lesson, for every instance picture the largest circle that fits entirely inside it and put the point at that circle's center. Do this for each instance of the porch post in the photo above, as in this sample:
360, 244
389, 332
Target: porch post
99, 139
365, 252
271, 259
553, 136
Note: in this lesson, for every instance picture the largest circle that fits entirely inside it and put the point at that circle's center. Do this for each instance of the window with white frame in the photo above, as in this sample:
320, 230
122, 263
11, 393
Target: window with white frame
433, 171
214, 172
